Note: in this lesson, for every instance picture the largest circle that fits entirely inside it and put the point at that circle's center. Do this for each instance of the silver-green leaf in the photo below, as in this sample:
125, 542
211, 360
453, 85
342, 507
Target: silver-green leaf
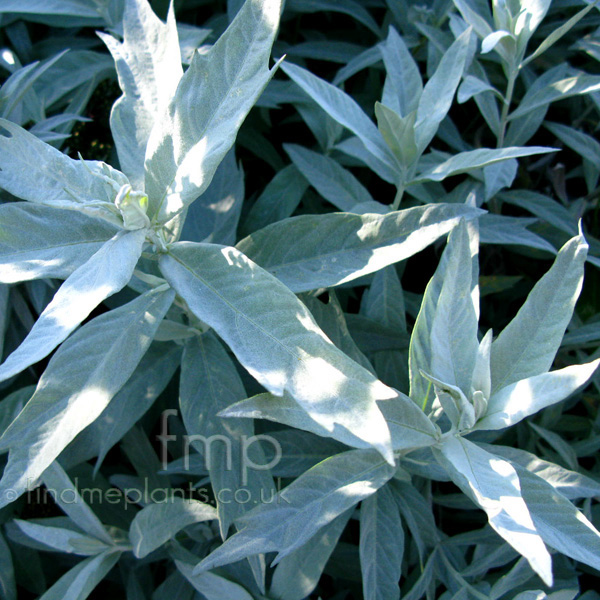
516, 401
381, 546
335, 248
278, 341
80, 380
156, 524
104, 274
493, 484
148, 63
213, 98
310, 502
40, 241
527, 345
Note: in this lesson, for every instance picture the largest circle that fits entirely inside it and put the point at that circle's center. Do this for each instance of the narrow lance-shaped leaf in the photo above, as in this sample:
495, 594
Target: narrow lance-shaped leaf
474, 232
385, 300
61, 539
499, 176
331, 50
516, 401
586, 335
156, 524
555, 35
564, 527
453, 335
331, 319
279, 409
72, 79
565, 451
354, 147
148, 63
78, 583
585, 145
384, 303
335, 248
527, 345
278, 200
104, 274
477, 16
80, 380
435, 321
530, 16
212, 100
80, 513
475, 159
420, 352
409, 427
297, 574
399, 135
66, 8
501, 229
439, 91
332, 181
427, 580
300, 451
19, 102
139, 393
324, 127
40, 241
493, 484
302, 508
381, 546
570, 484
471, 87
520, 574
211, 585
417, 514
278, 341
344, 110
214, 216
54, 178
558, 90
12, 405
482, 378
403, 84
209, 383
148, 381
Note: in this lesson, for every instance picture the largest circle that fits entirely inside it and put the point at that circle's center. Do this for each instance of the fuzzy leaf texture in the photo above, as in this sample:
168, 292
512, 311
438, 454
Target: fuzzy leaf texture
148, 64
80, 380
279, 342
104, 274
213, 97
493, 484
300, 510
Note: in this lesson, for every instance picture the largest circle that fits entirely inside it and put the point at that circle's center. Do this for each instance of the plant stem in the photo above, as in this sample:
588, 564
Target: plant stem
510, 88
398, 197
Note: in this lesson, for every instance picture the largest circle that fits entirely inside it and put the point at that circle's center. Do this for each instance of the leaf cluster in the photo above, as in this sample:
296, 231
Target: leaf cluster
299, 299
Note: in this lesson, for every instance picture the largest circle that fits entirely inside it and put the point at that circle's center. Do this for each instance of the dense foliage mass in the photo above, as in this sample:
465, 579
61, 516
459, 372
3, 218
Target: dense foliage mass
292, 299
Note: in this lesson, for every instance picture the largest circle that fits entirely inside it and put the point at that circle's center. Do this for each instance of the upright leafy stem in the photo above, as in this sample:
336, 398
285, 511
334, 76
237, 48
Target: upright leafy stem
515, 24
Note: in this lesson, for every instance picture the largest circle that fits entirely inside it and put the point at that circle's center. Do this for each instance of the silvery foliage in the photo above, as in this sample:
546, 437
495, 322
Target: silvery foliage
230, 313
